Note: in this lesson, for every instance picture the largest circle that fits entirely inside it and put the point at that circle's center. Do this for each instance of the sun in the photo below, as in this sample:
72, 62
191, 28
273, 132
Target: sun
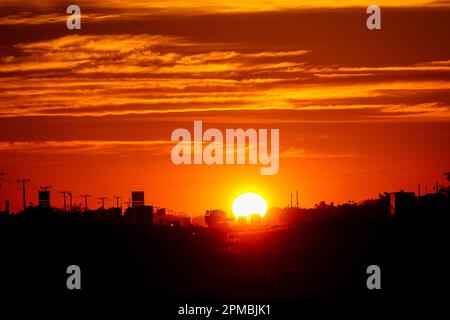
249, 203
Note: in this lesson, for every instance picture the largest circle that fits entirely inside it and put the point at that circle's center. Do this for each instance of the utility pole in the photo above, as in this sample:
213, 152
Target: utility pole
85, 196
102, 199
117, 200
64, 193
291, 200
297, 198
23, 181
70, 200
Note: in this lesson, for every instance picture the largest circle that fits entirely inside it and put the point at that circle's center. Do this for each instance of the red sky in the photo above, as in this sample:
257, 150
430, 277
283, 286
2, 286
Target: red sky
91, 111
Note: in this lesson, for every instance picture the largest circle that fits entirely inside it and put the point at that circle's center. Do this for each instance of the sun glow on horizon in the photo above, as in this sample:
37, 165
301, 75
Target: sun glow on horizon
249, 203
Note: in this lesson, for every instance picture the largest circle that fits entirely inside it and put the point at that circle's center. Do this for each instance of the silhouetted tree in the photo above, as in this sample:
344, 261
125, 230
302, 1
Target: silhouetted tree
447, 174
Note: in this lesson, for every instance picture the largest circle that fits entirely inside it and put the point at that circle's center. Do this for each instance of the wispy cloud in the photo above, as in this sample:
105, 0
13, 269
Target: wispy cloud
85, 147
31, 18
150, 7
82, 75
302, 153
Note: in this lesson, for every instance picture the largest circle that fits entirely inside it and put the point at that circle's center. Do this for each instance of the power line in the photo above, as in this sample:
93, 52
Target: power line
364, 173
8, 179
237, 181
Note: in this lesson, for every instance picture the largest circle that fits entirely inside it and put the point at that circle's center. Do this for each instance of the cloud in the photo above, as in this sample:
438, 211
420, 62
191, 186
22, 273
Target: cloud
150, 7
29, 18
122, 74
302, 153
85, 147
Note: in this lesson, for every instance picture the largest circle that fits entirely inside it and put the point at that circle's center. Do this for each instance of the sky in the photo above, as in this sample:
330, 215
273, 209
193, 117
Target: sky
359, 111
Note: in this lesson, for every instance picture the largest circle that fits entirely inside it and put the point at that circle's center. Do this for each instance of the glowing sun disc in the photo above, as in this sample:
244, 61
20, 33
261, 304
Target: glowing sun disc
249, 203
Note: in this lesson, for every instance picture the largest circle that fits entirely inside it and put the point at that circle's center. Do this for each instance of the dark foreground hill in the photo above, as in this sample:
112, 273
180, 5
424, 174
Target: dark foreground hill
313, 261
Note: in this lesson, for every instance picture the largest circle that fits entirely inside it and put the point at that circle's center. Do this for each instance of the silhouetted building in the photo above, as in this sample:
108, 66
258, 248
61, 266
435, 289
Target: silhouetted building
44, 199
110, 215
139, 215
137, 199
402, 203
214, 218
172, 220
433, 204
161, 211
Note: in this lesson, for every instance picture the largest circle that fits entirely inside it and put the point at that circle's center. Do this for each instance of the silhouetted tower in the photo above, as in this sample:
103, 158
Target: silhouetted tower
85, 196
7, 207
102, 199
70, 201
44, 197
291, 200
64, 193
23, 181
418, 189
117, 200
297, 198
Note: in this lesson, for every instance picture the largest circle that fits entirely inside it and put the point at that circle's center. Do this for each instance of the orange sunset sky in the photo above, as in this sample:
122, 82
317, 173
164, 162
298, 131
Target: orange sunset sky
91, 111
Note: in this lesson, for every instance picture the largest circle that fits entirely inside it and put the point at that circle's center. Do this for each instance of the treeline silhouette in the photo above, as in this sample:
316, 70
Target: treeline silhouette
428, 206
